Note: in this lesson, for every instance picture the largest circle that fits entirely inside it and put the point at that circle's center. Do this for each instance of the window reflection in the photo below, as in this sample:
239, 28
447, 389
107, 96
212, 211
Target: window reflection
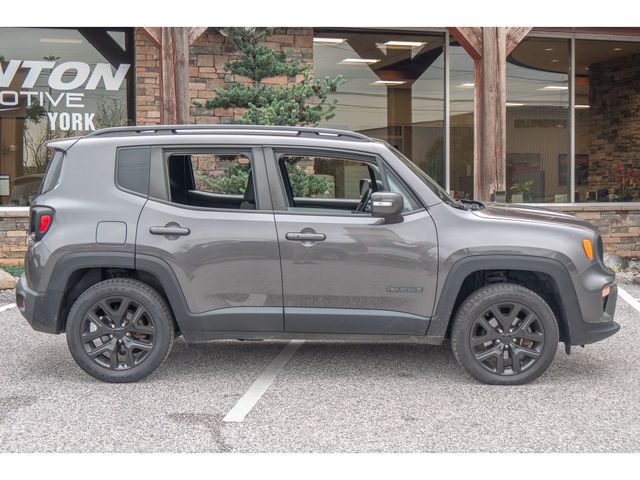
394, 90
538, 121
56, 83
607, 121
461, 94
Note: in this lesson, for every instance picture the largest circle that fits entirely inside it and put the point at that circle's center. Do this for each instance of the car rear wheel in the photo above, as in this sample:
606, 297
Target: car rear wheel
504, 334
120, 330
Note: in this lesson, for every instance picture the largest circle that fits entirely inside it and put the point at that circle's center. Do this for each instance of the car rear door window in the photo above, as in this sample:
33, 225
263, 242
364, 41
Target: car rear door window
212, 180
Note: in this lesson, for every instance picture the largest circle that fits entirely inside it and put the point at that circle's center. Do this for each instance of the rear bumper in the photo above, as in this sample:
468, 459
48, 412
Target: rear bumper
34, 307
599, 328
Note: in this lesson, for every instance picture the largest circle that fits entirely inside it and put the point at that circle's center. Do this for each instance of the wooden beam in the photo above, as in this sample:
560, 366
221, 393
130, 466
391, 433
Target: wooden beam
173, 43
491, 114
154, 34
105, 44
514, 36
195, 32
470, 38
489, 47
174, 52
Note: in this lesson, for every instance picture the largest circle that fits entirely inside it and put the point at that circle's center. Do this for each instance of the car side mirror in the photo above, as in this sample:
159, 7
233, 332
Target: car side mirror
387, 205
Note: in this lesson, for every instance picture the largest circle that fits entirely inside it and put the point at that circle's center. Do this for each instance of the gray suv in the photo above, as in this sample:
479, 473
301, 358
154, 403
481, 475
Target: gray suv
141, 234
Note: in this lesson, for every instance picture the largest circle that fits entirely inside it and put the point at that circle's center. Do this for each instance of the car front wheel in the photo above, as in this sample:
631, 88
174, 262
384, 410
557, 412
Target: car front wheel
120, 330
504, 334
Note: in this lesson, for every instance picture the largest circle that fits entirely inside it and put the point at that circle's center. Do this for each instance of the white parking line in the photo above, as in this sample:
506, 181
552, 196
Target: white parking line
7, 307
246, 403
627, 297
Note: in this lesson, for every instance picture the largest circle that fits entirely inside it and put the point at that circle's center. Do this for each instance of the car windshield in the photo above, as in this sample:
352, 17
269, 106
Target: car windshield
426, 179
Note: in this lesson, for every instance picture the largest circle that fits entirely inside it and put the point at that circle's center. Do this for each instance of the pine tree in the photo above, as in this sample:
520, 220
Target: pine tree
302, 103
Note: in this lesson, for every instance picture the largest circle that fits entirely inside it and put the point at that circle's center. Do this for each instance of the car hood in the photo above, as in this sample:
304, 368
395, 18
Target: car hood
505, 211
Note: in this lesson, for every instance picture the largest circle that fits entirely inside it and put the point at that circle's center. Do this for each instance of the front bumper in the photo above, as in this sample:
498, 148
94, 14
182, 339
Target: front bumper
34, 307
597, 324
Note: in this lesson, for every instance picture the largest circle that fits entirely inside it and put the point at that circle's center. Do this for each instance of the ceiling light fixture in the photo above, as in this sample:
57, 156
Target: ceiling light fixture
548, 49
73, 41
389, 82
332, 41
583, 106
617, 49
359, 61
403, 44
555, 60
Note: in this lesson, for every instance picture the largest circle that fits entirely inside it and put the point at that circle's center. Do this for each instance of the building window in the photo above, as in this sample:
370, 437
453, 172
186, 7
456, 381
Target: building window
538, 121
607, 121
56, 83
394, 90
461, 118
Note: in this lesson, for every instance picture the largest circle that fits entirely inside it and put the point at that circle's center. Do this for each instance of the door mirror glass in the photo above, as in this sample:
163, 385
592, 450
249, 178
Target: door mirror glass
387, 205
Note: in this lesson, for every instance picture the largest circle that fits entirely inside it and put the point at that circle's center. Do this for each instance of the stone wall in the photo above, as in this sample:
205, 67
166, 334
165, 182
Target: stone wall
207, 57
618, 224
614, 120
14, 228
147, 80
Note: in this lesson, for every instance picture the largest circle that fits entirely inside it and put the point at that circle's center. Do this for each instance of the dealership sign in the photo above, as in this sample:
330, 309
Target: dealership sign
19, 77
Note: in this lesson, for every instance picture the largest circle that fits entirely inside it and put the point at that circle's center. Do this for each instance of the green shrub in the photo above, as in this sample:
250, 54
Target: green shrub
235, 179
14, 270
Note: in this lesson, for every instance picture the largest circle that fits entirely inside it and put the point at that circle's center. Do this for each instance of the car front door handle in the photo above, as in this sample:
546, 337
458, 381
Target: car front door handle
166, 230
306, 236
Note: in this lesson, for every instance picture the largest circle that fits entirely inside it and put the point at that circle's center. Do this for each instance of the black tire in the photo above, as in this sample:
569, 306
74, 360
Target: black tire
504, 334
120, 330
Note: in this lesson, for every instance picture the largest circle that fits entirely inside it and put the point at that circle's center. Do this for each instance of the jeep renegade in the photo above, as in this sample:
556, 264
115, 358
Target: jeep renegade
142, 234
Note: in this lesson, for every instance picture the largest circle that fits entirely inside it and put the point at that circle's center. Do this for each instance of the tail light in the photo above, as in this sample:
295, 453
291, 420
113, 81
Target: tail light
40, 222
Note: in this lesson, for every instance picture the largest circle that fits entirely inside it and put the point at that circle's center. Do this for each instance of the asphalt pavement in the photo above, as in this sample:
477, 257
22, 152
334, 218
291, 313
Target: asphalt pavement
328, 397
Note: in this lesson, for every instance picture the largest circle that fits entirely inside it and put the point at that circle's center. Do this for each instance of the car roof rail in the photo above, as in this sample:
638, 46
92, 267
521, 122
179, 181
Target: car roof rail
228, 129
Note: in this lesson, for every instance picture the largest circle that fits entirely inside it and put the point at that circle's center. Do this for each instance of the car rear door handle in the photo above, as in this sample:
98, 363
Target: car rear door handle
306, 237
157, 230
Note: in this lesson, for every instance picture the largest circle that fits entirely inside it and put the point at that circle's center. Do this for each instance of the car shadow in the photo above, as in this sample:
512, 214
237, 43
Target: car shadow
322, 359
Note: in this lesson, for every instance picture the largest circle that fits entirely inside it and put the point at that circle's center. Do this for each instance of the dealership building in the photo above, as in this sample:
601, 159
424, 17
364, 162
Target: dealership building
547, 116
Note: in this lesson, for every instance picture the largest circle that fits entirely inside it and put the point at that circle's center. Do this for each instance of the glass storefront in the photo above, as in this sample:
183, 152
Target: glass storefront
537, 166
56, 83
461, 118
394, 89
599, 138
571, 135
607, 121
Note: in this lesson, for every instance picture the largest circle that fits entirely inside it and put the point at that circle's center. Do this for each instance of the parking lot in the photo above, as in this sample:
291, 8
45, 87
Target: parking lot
329, 397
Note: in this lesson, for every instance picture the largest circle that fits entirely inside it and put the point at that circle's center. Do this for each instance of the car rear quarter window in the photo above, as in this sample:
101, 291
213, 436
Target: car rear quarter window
132, 169
52, 174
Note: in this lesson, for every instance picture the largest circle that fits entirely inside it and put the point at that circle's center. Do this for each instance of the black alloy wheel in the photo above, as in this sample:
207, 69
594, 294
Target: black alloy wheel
120, 330
118, 333
507, 338
504, 334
